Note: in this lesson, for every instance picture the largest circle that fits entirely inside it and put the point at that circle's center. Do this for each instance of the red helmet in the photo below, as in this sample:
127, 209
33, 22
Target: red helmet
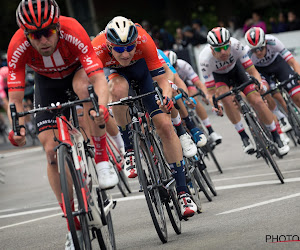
218, 36
37, 14
255, 38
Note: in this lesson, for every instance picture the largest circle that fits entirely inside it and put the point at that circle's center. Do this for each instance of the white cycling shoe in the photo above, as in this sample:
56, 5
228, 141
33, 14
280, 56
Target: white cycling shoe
129, 164
69, 242
189, 148
187, 206
285, 125
107, 175
216, 138
285, 139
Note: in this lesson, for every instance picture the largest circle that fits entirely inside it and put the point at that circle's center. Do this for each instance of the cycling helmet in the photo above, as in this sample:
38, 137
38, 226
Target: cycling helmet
4, 71
37, 14
120, 31
172, 56
218, 36
255, 38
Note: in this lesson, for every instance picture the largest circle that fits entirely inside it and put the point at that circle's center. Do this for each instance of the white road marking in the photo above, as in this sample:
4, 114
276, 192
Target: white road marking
260, 204
19, 152
30, 212
29, 221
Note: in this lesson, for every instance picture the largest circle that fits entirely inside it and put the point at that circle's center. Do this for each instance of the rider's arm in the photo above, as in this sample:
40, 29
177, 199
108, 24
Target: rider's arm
169, 73
294, 64
180, 83
253, 72
201, 86
164, 84
101, 87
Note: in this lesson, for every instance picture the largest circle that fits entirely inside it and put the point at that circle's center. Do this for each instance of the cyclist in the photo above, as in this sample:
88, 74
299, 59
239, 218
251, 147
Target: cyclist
271, 58
188, 146
224, 62
129, 53
191, 79
58, 49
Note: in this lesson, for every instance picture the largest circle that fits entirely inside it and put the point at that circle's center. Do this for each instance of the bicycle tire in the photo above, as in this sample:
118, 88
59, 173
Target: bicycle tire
294, 118
66, 161
261, 144
148, 181
170, 198
192, 184
201, 183
207, 179
105, 234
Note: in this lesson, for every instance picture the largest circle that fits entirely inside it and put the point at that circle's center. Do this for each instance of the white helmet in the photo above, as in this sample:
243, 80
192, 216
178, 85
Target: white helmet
120, 31
255, 38
218, 36
172, 56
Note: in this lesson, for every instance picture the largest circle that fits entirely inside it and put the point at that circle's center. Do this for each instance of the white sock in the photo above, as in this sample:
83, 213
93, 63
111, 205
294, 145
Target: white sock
119, 140
278, 113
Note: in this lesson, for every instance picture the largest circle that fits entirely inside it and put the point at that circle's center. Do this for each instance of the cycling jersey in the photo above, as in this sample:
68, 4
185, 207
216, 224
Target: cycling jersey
274, 48
209, 64
73, 50
164, 59
145, 49
186, 73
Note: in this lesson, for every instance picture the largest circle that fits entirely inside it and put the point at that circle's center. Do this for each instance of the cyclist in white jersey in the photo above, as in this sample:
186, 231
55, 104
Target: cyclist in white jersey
191, 80
224, 63
270, 57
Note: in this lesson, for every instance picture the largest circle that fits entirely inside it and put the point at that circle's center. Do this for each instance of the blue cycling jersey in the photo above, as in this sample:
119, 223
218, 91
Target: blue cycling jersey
161, 55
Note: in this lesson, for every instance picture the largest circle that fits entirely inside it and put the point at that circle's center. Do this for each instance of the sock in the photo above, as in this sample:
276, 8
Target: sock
76, 221
278, 113
119, 140
177, 169
126, 137
241, 130
180, 130
208, 126
278, 128
100, 148
189, 123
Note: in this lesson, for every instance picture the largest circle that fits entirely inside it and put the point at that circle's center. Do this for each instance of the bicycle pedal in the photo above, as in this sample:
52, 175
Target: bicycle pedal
114, 204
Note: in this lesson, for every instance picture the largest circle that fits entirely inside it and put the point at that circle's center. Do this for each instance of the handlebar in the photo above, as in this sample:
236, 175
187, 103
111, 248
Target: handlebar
235, 90
281, 84
15, 115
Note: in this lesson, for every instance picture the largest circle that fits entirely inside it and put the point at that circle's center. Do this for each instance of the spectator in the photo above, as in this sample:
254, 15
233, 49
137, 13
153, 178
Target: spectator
255, 21
293, 21
178, 39
199, 28
281, 26
190, 37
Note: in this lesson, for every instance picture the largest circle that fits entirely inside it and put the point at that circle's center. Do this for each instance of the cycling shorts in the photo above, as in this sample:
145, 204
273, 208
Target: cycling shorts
281, 70
234, 77
139, 73
49, 91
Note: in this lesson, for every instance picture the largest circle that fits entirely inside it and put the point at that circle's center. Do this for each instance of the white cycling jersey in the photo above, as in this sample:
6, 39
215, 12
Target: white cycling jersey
274, 48
186, 72
209, 64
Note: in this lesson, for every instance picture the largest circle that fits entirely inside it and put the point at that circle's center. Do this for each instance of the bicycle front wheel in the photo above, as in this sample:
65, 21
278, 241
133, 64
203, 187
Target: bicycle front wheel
67, 170
148, 179
294, 118
262, 146
206, 177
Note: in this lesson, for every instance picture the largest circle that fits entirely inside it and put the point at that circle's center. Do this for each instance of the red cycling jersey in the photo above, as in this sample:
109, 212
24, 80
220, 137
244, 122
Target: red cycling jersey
145, 49
73, 50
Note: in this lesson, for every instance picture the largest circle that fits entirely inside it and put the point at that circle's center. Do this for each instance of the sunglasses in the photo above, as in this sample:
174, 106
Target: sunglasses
257, 49
122, 49
225, 47
38, 34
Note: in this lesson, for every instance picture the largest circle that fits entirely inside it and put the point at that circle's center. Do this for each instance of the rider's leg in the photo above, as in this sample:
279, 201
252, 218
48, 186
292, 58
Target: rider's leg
106, 174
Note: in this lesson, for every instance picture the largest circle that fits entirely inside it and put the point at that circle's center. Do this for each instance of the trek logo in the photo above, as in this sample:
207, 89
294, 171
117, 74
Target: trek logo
17, 54
74, 40
282, 238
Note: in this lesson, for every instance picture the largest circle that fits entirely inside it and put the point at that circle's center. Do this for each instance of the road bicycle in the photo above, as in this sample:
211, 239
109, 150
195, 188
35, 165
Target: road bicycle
153, 171
293, 113
117, 159
76, 159
265, 147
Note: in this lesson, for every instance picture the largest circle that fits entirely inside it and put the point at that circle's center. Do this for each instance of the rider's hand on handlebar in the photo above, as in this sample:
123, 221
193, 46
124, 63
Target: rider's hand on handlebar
17, 140
218, 111
103, 115
167, 105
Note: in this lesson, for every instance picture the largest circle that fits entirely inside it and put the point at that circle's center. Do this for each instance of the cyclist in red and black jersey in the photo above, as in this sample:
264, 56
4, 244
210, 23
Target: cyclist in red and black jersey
58, 49
129, 53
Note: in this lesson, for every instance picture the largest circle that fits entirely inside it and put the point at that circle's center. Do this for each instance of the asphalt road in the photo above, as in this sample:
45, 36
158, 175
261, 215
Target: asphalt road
252, 209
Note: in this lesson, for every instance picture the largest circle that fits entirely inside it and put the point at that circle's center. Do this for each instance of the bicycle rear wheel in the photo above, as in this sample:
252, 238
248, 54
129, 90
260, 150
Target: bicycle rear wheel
169, 194
65, 161
262, 146
294, 119
148, 178
201, 183
105, 234
192, 184
204, 173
